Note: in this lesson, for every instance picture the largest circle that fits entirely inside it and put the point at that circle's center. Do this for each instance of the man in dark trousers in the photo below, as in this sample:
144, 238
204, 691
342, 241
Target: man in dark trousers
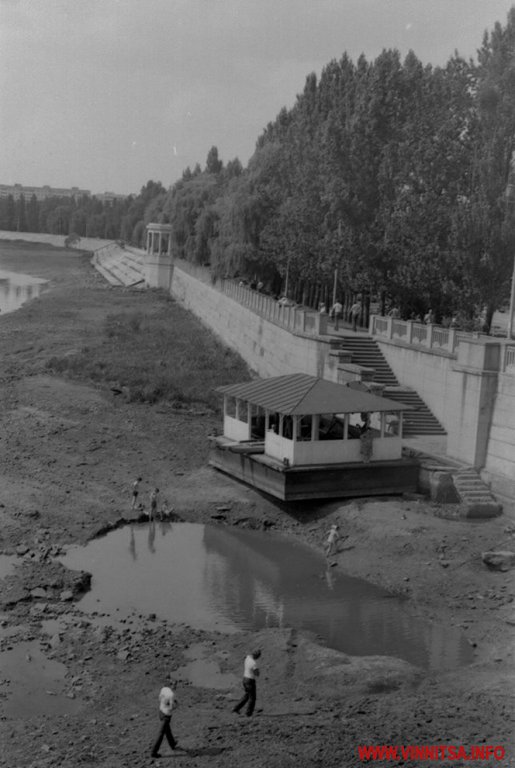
167, 703
250, 673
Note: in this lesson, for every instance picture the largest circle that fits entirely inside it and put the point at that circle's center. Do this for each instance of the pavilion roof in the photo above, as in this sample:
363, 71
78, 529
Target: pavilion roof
301, 394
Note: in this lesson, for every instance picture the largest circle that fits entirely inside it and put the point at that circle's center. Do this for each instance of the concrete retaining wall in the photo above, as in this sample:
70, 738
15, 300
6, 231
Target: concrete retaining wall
472, 397
500, 460
266, 347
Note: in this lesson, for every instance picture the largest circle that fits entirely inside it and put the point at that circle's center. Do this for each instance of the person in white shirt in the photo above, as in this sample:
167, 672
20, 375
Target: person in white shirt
250, 673
167, 703
336, 313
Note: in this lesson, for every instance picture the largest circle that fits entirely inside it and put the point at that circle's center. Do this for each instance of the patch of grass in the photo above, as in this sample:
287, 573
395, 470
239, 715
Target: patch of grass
164, 354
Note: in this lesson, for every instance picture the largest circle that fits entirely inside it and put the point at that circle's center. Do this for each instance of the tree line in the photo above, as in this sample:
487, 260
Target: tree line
388, 178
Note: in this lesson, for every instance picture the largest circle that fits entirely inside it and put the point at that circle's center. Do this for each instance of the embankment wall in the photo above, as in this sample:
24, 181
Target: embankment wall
266, 347
472, 396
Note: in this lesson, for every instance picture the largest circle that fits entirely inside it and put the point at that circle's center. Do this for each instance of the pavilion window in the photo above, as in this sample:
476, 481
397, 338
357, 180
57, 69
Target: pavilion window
330, 427
391, 424
257, 421
242, 411
287, 427
230, 407
304, 427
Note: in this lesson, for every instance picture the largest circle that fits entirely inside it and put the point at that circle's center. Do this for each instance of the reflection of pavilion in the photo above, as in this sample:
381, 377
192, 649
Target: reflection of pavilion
300, 437
263, 581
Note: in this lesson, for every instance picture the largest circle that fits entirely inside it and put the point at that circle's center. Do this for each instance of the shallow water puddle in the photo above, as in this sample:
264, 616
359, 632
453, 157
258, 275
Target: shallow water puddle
31, 684
213, 577
204, 673
16, 289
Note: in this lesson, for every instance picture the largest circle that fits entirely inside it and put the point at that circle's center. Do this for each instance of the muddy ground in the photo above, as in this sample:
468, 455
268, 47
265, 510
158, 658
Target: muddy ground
69, 451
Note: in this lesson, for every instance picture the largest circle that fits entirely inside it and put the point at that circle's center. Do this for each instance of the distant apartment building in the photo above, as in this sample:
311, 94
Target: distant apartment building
17, 190
109, 197
41, 193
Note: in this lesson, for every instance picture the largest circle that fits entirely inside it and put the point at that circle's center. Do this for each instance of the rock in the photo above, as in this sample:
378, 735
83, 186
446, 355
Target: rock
55, 642
38, 608
22, 550
38, 593
82, 583
122, 655
66, 596
500, 560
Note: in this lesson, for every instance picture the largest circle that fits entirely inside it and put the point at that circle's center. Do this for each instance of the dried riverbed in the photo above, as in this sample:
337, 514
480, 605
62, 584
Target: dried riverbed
69, 451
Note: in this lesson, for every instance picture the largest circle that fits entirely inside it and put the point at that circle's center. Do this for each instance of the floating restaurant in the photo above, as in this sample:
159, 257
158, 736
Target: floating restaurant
301, 437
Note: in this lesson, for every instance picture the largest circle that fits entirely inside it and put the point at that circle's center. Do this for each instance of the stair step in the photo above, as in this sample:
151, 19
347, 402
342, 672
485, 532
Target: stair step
419, 421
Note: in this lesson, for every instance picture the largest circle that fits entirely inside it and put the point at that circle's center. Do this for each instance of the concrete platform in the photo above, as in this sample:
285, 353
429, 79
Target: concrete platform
327, 481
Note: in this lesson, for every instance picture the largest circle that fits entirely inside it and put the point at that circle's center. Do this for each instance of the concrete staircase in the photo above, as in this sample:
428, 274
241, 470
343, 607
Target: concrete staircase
120, 266
475, 495
419, 421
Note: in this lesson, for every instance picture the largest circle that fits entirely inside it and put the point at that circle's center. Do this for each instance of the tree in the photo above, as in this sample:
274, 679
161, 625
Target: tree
213, 164
484, 226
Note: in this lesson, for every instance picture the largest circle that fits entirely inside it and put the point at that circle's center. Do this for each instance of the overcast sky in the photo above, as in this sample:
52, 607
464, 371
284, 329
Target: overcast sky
106, 94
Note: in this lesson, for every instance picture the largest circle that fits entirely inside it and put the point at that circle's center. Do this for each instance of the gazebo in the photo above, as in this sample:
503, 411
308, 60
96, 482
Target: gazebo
305, 426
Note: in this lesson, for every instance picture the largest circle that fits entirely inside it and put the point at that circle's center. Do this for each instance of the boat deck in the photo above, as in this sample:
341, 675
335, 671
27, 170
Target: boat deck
247, 462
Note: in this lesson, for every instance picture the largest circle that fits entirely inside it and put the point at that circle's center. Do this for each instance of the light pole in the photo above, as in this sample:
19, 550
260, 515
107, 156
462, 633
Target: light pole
510, 200
512, 304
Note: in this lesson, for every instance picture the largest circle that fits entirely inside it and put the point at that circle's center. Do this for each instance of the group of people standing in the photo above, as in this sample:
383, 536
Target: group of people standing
153, 498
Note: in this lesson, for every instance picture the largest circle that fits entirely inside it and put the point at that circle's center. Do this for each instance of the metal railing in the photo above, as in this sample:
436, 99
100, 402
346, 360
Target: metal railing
293, 318
418, 334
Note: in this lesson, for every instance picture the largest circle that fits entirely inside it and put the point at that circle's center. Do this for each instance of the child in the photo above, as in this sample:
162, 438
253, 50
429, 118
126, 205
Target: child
135, 491
331, 545
153, 503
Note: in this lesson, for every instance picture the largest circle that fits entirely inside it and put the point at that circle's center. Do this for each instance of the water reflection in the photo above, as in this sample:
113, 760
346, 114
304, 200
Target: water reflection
16, 289
209, 576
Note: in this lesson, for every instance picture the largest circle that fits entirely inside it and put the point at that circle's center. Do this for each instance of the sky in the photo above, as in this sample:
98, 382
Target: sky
107, 94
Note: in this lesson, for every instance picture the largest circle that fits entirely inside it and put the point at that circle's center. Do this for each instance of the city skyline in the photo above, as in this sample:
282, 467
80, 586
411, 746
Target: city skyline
107, 95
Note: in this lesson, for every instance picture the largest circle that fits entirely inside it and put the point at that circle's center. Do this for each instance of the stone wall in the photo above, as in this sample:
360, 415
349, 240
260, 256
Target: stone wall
500, 460
267, 347
472, 393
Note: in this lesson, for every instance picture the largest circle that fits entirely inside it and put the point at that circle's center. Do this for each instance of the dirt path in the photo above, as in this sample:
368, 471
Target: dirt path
69, 451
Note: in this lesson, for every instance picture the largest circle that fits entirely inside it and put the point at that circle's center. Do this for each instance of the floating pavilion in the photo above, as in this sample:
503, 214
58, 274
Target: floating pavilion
301, 437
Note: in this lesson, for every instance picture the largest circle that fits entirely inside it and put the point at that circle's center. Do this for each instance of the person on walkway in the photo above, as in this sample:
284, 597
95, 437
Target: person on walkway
135, 492
153, 503
250, 673
336, 314
322, 308
355, 312
167, 703
331, 544
429, 318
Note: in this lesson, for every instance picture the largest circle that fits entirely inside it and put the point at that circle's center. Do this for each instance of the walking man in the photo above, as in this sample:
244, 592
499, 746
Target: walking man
250, 673
355, 312
135, 491
167, 703
337, 314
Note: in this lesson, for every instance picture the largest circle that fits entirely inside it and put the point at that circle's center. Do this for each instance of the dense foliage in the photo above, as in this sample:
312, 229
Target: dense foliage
386, 178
